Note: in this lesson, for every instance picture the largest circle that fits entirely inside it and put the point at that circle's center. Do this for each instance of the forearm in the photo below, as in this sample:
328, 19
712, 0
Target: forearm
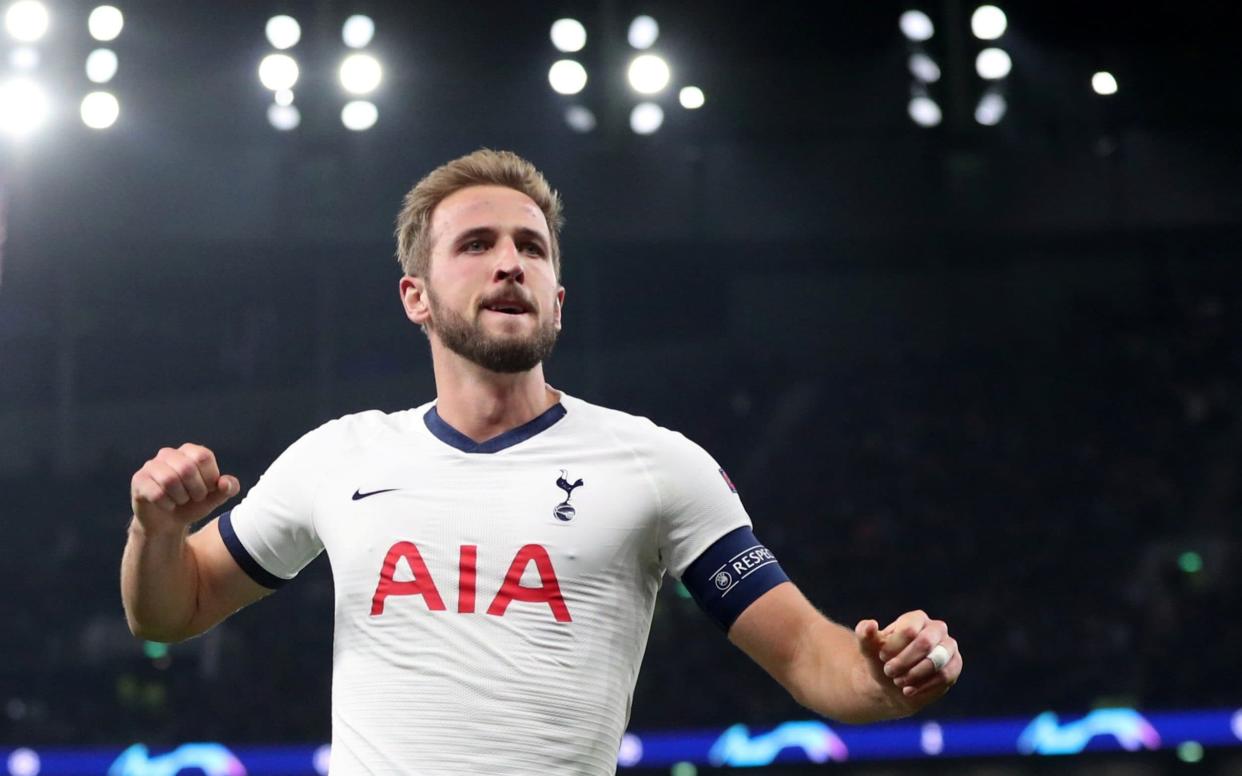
159, 584
832, 677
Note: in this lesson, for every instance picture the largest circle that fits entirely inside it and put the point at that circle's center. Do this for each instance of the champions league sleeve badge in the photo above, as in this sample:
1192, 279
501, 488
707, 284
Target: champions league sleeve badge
564, 511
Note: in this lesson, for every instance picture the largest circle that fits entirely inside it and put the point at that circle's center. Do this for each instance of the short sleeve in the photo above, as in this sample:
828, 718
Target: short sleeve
271, 533
698, 501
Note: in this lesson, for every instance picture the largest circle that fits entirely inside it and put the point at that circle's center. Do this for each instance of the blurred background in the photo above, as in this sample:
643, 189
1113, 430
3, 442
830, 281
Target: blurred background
952, 293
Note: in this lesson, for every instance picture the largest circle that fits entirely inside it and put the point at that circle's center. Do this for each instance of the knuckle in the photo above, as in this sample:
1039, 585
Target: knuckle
923, 640
910, 632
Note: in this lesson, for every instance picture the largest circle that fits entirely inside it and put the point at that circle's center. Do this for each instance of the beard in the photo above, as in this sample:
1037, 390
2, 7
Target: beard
507, 355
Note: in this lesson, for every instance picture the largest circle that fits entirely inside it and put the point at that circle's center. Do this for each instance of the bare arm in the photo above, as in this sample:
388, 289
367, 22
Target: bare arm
841, 674
175, 585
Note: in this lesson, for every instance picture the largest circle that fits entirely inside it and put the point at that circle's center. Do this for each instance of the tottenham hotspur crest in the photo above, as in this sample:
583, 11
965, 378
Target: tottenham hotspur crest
563, 511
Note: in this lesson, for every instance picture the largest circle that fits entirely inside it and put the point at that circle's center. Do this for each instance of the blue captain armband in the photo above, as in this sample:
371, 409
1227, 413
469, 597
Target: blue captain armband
731, 575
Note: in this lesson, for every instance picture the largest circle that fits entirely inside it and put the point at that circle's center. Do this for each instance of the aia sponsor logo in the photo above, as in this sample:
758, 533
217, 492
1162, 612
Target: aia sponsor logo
422, 583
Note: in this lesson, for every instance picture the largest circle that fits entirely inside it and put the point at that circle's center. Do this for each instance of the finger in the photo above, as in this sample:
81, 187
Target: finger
868, 634
205, 460
925, 668
187, 470
147, 489
168, 479
941, 680
900, 632
227, 486
933, 632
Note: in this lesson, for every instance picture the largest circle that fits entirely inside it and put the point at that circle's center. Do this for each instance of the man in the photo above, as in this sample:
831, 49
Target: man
497, 552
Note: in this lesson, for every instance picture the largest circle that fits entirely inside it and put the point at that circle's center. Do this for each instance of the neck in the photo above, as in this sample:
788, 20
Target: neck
483, 404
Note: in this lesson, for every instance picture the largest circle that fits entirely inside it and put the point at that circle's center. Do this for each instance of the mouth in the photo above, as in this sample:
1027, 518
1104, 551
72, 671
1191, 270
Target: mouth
508, 307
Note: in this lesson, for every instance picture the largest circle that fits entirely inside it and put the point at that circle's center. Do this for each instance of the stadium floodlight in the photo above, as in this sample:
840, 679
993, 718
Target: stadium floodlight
359, 115
992, 64
1104, 83
646, 118
580, 118
568, 35
100, 110
567, 76
643, 32
101, 65
283, 32
23, 107
361, 73
24, 58
105, 23
988, 22
924, 68
284, 97
916, 26
358, 31
24, 762
278, 71
648, 74
991, 109
283, 117
924, 111
27, 20
691, 97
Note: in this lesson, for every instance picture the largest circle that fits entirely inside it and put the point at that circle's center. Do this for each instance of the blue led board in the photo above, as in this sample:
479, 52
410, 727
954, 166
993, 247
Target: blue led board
805, 741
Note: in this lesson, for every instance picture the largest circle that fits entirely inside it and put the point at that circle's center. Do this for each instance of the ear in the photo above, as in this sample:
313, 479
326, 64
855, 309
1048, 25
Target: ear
414, 299
557, 305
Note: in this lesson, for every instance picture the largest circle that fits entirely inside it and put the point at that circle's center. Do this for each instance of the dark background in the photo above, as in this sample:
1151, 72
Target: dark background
991, 372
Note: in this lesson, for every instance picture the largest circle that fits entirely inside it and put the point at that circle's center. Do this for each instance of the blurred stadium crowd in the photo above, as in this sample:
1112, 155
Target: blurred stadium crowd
1038, 494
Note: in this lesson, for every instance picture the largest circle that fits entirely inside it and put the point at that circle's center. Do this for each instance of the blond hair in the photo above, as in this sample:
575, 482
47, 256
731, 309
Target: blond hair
484, 167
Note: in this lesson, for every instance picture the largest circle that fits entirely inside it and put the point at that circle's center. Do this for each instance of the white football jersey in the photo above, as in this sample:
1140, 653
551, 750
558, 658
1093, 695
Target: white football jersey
492, 600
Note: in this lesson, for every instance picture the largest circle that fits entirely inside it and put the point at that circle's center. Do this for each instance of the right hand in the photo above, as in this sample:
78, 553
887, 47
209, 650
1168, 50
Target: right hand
179, 487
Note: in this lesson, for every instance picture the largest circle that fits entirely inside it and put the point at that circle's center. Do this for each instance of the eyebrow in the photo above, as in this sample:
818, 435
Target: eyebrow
521, 233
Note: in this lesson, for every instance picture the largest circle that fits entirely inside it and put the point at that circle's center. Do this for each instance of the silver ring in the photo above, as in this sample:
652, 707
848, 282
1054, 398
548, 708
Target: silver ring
939, 656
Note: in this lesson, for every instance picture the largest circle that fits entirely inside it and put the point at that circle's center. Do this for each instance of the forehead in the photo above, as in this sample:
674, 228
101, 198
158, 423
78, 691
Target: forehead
486, 206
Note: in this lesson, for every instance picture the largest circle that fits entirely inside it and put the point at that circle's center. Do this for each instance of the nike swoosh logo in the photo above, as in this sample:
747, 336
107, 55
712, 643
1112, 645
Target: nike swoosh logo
358, 495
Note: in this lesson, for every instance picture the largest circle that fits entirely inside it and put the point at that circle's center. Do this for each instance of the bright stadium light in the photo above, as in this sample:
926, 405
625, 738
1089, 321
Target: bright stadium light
283, 32
24, 58
648, 74
24, 762
646, 118
924, 111
105, 23
568, 35
283, 117
23, 107
361, 73
359, 115
924, 68
101, 65
27, 20
580, 118
1103, 83
916, 26
988, 22
992, 64
358, 31
691, 97
991, 109
278, 71
284, 97
567, 76
100, 110
643, 32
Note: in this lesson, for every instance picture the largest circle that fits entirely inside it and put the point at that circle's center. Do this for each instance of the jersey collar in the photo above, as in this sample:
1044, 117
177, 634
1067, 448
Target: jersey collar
454, 438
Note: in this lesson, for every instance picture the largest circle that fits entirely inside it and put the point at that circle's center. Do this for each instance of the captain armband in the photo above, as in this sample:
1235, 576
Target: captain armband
731, 574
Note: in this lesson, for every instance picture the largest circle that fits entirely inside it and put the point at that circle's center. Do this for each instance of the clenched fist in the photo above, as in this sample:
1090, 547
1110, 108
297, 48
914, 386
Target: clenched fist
179, 487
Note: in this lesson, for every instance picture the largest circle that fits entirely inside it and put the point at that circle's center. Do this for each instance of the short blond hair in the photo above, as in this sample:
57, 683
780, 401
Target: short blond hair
484, 167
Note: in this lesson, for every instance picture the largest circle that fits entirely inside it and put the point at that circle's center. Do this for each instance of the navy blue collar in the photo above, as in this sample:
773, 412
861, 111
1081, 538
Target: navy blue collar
451, 436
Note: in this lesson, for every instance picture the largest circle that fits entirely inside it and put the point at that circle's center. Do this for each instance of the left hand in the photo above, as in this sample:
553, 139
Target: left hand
899, 658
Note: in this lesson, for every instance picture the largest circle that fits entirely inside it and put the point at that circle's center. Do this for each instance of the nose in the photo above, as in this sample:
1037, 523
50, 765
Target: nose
509, 265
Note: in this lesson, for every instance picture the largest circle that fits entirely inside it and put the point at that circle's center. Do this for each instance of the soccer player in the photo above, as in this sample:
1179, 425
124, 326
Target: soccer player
497, 552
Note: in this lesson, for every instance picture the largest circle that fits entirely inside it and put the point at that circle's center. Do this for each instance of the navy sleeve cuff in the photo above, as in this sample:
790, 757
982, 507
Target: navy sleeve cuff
731, 575
239, 553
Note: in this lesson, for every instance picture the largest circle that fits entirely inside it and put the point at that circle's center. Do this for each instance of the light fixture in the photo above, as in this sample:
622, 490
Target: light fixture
567, 76
993, 64
101, 65
988, 22
691, 97
278, 71
283, 32
105, 23
358, 31
916, 26
648, 74
100, 110
646, 118
27, 20
359, 115
643, 32
568, 35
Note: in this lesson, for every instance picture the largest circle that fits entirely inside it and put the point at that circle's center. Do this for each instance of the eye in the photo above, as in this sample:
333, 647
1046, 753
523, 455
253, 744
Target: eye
474, 246
535, 249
